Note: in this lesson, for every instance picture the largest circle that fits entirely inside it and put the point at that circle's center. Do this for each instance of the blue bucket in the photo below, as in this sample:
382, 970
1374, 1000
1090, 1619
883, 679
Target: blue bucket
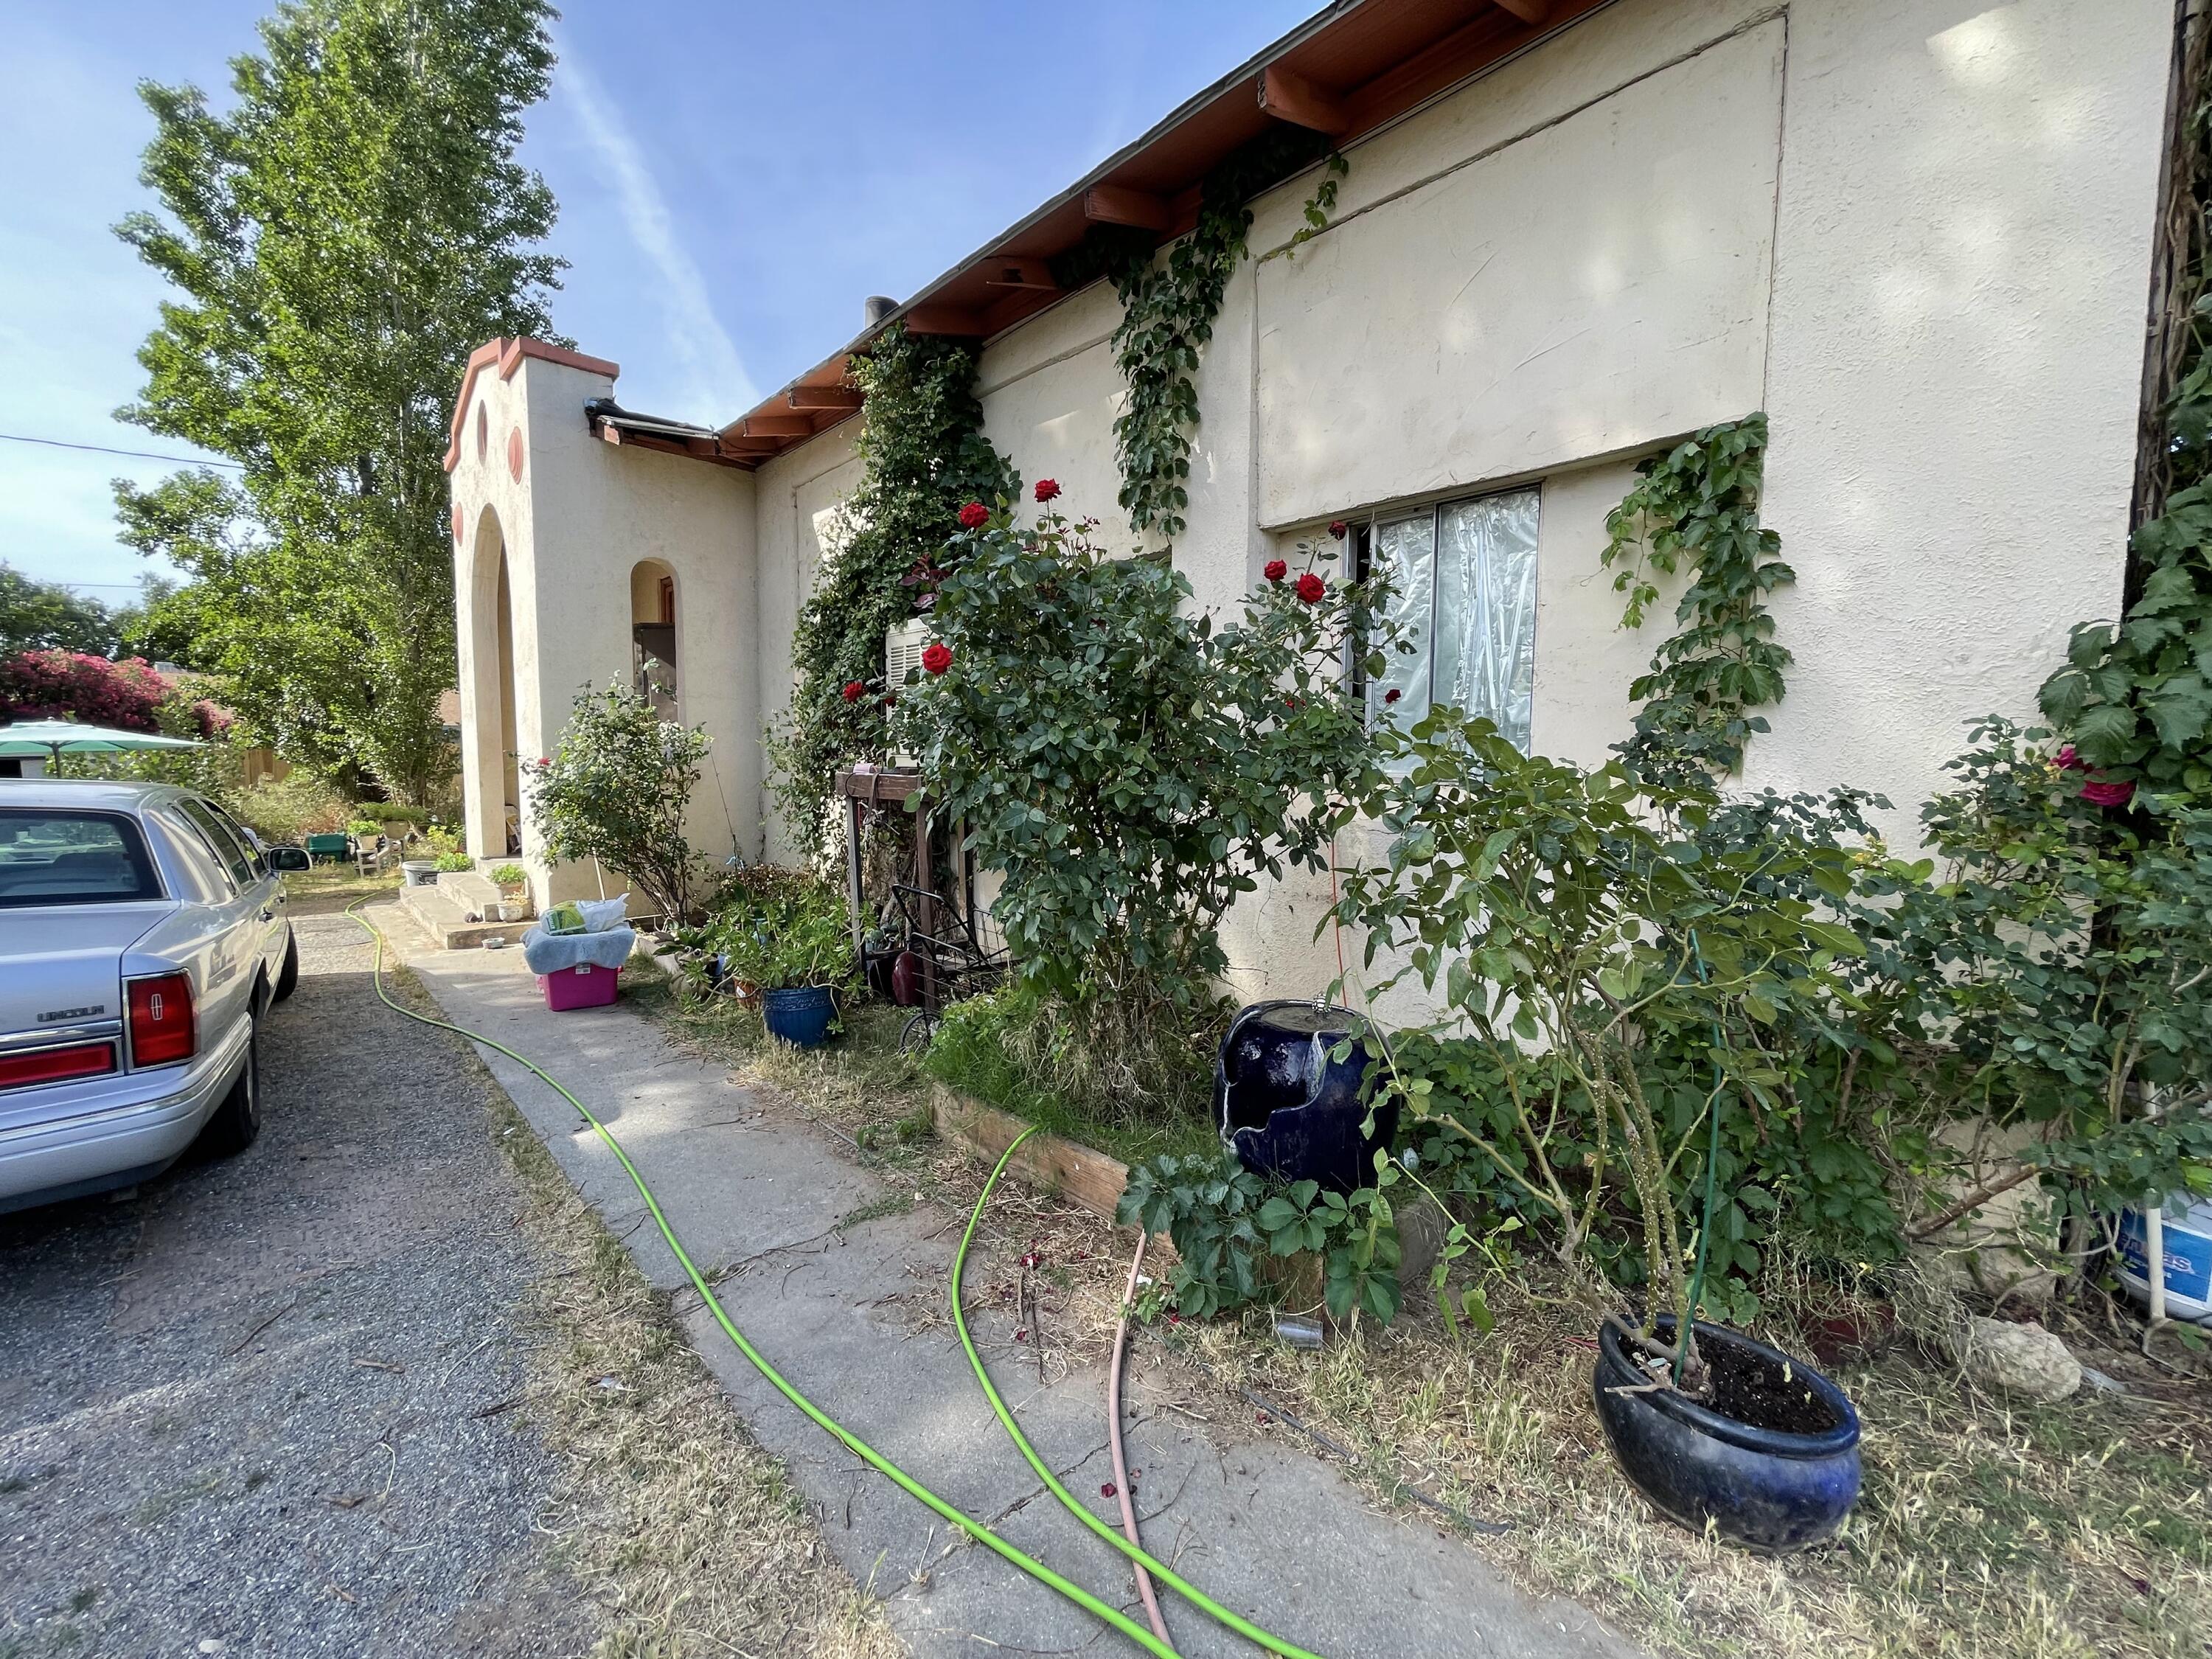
801, 1018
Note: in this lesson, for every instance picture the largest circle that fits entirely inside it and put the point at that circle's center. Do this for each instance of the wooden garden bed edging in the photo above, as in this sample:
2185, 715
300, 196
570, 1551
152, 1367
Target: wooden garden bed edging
1066, 1168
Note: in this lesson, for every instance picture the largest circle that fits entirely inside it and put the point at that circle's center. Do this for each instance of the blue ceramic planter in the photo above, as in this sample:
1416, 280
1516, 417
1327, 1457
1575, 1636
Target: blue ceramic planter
1285, 1108
800, 1017
1770, 1489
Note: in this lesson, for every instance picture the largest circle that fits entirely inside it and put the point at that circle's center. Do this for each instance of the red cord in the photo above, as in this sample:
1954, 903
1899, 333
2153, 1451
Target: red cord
1121, 1463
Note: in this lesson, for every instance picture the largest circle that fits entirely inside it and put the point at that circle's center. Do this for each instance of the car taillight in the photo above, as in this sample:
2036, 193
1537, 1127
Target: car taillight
56, 1065
161, 1029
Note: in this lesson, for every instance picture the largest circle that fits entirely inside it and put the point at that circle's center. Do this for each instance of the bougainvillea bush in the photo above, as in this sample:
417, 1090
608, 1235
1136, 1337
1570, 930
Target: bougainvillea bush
76, 685
1129, 767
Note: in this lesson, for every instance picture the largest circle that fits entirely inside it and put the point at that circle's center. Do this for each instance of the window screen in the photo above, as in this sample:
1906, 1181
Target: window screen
1465, 576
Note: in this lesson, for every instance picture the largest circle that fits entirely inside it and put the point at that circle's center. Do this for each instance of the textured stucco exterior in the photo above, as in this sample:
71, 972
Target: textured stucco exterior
1915, 232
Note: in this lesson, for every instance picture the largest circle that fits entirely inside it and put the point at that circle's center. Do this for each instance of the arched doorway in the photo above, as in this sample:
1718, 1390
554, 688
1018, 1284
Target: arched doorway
495, 773
654, 672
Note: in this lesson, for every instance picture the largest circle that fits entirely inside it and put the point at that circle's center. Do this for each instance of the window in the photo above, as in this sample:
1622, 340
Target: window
245, 837
1466, 573
228, 851
72, 858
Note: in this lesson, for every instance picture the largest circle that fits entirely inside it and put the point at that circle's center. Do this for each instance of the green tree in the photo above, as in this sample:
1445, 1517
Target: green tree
340, 238
36, 616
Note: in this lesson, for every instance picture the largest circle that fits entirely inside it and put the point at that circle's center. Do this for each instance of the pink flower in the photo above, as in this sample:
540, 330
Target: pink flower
938, 657
1311, 587
1275, 570
2108, 794
975, 515
1046, 488
2067, 761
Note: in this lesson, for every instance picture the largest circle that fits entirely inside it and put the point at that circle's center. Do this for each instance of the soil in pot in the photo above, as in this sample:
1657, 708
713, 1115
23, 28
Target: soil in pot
1769, 1456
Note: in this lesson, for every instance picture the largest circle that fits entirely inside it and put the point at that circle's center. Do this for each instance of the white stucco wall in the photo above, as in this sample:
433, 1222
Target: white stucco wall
574, 526
1916, 232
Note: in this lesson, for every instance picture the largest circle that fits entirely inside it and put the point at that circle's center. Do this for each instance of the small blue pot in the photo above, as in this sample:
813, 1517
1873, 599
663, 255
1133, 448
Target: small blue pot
800, 1017
1772, 1490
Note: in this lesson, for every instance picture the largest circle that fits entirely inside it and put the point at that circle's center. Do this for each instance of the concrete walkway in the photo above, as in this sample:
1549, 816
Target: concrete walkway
1279, 1535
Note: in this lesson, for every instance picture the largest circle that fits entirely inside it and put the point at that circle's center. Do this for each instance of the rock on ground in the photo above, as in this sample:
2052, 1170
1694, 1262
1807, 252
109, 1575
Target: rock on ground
2023, 1359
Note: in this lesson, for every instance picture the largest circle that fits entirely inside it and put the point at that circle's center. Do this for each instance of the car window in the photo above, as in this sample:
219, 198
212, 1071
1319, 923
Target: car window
192, 850
245, 839
50, 856
227, 848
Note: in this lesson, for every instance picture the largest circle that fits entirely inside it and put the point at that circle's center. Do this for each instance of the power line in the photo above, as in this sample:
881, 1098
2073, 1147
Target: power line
102, 449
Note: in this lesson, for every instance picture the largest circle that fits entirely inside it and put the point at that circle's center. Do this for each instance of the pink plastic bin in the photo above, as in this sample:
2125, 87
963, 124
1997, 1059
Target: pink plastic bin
581, 986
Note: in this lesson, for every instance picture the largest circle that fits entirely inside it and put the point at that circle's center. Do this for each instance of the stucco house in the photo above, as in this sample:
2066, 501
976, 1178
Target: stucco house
1917, 232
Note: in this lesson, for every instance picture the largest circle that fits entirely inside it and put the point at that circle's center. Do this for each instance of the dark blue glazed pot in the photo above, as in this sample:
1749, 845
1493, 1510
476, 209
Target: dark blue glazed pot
801, 1016
1285, 1108
1770, 1489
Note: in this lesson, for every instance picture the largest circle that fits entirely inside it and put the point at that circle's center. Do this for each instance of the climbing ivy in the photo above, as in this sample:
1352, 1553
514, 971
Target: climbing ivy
1698, 504
923, 455
1168, 308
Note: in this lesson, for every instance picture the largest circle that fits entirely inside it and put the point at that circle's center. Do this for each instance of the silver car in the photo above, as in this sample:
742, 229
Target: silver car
143, 937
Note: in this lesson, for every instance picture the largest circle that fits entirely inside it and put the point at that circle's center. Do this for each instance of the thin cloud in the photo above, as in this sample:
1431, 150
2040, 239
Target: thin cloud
696, 336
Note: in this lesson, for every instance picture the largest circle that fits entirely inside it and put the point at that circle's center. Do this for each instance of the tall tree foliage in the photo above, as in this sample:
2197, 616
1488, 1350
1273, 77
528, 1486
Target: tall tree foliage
340, 239
36, 616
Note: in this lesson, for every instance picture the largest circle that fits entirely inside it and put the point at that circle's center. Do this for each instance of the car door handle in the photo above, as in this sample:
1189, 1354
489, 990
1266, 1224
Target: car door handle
268, 915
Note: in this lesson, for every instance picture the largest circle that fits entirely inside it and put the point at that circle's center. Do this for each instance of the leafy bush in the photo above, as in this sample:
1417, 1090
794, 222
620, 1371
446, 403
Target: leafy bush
381, 812
510, 875
1128, 768
616, 789
76, 685
778, 930
1226, 1223
455, 861
285, 810
1607, 951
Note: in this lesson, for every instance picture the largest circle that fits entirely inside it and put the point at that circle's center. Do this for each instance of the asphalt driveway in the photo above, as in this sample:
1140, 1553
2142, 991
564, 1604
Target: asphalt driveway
266, 1405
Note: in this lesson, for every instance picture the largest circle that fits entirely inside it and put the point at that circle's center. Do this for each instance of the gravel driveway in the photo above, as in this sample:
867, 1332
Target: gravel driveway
266, 1406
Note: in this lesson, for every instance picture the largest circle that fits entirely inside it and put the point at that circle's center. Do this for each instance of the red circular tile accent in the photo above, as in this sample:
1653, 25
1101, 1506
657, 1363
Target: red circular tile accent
514, 453
459, 518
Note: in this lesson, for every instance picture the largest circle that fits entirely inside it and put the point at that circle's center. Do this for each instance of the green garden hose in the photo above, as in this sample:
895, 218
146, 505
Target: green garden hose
1190, 1592
976, 1530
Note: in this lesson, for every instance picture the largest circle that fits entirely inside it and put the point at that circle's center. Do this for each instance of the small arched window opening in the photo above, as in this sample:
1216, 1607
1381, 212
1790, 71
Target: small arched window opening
652, 637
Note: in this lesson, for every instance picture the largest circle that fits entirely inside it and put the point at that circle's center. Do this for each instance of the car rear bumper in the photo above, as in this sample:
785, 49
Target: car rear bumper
151, 1118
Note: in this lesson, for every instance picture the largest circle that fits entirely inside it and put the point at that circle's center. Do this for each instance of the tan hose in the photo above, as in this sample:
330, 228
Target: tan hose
1114, 1435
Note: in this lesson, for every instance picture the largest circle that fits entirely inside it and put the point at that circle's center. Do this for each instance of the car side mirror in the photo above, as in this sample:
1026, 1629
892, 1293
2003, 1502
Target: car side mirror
288, 857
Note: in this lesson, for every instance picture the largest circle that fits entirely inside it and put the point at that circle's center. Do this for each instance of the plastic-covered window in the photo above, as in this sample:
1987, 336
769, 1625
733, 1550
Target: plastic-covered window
1466, 578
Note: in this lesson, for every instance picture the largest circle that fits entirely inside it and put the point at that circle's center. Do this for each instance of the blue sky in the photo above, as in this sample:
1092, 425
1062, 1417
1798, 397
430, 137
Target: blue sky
734, 179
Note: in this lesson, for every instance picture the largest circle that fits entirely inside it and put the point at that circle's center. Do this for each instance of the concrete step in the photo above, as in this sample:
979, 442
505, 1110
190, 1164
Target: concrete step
469, 889
447, 923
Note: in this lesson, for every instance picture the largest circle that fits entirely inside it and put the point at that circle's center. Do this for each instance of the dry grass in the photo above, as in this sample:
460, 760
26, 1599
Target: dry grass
1986, 1527
691, 1538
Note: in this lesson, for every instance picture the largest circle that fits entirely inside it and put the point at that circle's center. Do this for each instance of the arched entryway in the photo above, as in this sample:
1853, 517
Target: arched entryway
494, 776
654, 670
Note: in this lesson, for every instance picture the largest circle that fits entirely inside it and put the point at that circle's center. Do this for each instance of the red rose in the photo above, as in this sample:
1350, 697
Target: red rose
1276, 570
2067, 761
854, 691
938, 657
1311, 587
1046, 488
975, 515
2108, 794
1337, 527
1392, 694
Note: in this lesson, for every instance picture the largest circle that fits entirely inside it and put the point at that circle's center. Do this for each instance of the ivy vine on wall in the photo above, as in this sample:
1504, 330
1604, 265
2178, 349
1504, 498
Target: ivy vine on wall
1167, 307
1698, 505
923, 455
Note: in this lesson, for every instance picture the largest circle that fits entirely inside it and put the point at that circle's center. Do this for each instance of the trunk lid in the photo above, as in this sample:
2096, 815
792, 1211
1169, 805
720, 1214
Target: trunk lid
61, 965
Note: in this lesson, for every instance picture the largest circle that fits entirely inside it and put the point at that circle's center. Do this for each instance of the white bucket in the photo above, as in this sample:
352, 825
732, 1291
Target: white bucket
2188, 1253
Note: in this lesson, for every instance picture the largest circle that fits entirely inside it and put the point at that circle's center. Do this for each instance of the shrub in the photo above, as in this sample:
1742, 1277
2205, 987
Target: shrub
778, 930
287, 810
455, 862
1128, 768
510, 875
616, 789
75, 685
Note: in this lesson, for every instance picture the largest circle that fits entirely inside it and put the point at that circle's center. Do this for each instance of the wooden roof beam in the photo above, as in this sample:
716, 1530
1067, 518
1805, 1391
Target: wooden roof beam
1117, 204
1290, 97
773, 426
943, 320
1528, 11
1000, 271
824, 397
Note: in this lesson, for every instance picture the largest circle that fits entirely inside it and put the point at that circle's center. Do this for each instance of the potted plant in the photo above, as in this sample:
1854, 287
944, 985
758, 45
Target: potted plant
789, 939
1616, 952
512, 881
